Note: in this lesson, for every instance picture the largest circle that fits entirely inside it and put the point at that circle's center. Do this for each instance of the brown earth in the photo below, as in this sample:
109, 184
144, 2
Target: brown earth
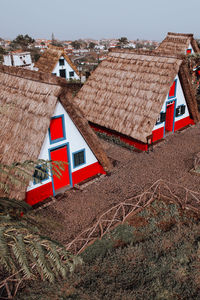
171, 160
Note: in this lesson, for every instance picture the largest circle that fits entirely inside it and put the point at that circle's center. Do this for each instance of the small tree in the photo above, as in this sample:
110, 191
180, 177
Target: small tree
2, 53
91, 45
76, 44
22, 41
122, 42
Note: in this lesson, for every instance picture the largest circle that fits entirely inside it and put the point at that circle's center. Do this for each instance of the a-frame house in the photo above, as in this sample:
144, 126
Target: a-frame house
44, 123
139, 96
55, 61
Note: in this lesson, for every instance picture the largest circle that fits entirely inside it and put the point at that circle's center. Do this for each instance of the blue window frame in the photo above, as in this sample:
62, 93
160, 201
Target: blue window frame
40, 174
78, 158
53, 141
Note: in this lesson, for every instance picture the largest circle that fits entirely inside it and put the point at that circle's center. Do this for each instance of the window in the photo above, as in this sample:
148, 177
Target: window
61, 62
180, 110
40, 174
172, 91
79, 158
161, 118
54, 74
62, 73
57, 129
71, 74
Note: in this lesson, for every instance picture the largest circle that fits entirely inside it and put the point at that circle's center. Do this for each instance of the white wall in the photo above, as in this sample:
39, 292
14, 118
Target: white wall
66, 67
180, 100
7, 60
19, 59
76, 143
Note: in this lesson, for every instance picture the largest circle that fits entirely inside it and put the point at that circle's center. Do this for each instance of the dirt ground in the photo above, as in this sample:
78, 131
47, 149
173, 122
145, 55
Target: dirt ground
171, 160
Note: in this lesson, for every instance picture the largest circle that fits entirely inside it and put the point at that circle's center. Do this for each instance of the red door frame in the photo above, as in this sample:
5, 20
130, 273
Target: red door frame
68, 166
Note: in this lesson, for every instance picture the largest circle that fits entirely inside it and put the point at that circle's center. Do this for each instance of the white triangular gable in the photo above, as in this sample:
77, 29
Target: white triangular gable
67, 68
179, 100
75, 142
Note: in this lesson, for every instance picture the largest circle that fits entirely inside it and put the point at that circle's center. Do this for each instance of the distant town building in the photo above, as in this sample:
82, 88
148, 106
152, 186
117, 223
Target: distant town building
18, 59
99, 47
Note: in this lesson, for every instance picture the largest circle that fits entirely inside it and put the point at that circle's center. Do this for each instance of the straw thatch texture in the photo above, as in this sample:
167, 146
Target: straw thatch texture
50, 58
27, 103
127, 90
189, 92
177, 43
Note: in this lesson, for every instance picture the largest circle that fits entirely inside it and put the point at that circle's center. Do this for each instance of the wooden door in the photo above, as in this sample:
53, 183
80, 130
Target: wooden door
169, 121
61, 154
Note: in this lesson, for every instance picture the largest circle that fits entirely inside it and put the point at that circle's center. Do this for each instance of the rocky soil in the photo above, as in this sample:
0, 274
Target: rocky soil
171, 160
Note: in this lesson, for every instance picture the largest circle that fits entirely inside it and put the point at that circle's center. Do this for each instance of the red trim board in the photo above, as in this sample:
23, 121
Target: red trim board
157, 134
137, 144
182, 123
39, 194
87, 172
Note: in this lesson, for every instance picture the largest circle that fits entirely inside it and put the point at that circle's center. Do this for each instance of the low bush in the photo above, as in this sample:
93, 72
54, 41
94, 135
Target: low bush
156, 255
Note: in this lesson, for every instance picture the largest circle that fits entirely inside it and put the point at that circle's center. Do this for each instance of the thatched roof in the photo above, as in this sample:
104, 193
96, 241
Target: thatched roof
178, 43
50, 57
32, 98
127, 90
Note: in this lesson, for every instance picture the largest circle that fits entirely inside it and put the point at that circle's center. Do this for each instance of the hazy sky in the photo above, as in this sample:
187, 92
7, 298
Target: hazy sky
73, 19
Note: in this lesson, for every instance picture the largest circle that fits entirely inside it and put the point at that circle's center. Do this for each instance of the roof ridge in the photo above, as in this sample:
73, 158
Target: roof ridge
181, 34
36, 76
160, 53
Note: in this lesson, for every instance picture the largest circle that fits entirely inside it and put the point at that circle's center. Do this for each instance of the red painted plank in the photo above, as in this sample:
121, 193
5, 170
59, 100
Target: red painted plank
158, 134
61, 154
39, 194
182, 123
87, 172
172, 89
137, 144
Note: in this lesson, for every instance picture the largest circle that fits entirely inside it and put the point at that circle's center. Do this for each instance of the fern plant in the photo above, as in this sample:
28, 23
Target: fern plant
23, 251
